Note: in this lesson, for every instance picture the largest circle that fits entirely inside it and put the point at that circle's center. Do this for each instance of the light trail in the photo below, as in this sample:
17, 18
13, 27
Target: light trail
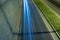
27, 21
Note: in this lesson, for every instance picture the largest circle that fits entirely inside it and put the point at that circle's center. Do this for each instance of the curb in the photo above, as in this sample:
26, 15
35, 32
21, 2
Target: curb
47, 21
50, 22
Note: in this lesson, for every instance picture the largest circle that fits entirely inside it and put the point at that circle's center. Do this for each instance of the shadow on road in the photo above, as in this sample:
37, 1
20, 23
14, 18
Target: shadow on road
34, 33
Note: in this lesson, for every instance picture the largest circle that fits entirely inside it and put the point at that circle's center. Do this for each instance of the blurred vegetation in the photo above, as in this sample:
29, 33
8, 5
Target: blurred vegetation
56, 3
49, 14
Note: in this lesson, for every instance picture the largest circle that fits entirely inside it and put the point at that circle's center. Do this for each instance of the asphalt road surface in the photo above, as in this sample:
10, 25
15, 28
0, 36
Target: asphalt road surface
33, 27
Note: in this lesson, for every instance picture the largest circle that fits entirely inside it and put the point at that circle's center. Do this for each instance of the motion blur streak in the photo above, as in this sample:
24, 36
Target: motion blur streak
27, 21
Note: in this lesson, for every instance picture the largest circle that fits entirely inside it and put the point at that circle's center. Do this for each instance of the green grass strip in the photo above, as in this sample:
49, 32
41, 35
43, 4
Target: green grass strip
50, 15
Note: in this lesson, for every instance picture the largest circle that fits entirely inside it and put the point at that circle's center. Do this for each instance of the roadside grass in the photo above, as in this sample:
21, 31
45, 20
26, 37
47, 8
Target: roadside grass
55, 21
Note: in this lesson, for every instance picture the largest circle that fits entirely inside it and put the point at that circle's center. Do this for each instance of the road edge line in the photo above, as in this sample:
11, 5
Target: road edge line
46, 23
50, 21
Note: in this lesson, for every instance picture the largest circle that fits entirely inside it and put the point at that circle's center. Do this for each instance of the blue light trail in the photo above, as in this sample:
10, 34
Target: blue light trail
27, 21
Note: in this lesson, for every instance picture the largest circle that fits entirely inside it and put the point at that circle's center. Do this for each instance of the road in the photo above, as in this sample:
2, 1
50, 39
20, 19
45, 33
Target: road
33, 25
27, 25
